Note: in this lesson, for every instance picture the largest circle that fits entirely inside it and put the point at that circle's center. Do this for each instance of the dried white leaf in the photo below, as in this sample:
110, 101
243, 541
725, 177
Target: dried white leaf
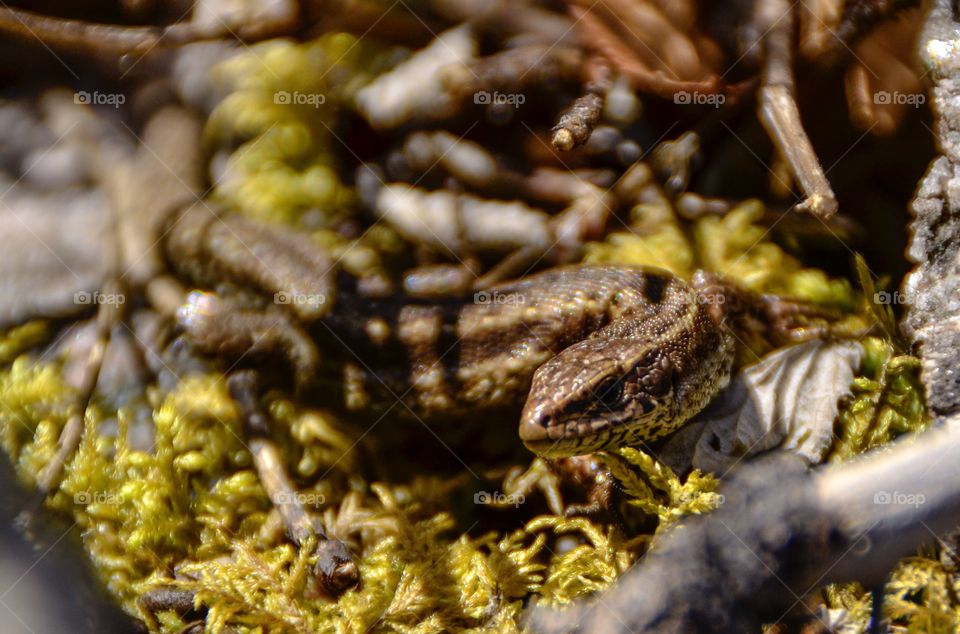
466, 160
449, 222
788, 400
214, 15
839, 620
414, 89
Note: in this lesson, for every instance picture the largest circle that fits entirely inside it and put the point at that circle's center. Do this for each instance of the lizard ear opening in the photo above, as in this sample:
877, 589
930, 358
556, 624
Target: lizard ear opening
656, 374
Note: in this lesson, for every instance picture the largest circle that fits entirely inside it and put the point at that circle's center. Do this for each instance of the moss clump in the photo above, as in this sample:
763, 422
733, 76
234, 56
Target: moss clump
887, 401
280, 122
282, 107
18, 340
921, 596
734, 245
658, 491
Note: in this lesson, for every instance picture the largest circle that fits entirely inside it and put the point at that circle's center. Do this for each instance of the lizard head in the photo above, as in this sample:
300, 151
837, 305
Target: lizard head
597, 393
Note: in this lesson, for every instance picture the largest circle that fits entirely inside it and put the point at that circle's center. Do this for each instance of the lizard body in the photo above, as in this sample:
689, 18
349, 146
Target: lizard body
601, 355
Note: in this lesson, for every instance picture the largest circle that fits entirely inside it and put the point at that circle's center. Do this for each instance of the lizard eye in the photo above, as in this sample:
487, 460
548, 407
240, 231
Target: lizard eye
610, 392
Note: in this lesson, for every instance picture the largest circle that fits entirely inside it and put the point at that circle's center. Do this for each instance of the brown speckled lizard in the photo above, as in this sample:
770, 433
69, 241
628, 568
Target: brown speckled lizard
604, 355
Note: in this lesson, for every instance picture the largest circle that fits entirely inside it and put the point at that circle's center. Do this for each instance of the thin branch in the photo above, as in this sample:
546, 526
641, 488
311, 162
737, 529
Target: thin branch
106, 39
779, 113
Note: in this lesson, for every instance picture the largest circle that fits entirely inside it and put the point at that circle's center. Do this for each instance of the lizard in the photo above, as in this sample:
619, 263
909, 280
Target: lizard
592, 356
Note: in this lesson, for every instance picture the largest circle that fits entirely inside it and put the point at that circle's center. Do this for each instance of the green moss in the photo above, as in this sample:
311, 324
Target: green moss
734, 245
34, 406
737, 246
21, 338
656, 489
922, 595
281, 111
656, 239
887, 401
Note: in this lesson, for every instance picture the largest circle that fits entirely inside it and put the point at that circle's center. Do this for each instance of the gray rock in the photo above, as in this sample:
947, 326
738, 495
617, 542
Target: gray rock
932, 289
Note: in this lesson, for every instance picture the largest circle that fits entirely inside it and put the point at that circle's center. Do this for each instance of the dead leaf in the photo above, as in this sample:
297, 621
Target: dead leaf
789, 399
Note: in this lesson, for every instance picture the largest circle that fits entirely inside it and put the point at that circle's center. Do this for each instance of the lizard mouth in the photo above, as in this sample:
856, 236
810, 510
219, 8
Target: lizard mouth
561, 440
565, 447
554, 448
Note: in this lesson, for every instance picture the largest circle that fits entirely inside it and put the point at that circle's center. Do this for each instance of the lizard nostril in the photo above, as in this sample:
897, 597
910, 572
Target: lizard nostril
533, 425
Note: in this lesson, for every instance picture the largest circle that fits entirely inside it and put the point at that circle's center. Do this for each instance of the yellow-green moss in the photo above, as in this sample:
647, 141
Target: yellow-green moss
656, 489
281, 107
887, 401
735, 245
21, 338
922, 595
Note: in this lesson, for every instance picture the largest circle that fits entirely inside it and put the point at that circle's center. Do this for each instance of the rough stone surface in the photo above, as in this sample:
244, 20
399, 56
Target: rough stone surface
933, 287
